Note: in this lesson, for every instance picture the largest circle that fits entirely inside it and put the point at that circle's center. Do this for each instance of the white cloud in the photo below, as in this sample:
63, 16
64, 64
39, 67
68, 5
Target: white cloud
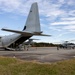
62, 34
70, 27
64, 23
15, 6
68, 19
55, 29
20, 6
61, 1
48, 9
72, 13
71, 2
9, 5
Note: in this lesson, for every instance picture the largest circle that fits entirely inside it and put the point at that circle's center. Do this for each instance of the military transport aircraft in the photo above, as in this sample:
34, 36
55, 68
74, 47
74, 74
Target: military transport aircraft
31, 28
67, 45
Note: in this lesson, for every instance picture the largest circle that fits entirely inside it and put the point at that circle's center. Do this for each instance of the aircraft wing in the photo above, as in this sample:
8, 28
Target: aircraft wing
16, 31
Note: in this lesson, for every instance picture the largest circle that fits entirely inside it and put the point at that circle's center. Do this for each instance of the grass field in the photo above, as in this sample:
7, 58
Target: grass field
13, 66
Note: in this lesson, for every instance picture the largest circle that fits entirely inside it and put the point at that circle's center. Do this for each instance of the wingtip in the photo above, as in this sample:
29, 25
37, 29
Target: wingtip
3, 29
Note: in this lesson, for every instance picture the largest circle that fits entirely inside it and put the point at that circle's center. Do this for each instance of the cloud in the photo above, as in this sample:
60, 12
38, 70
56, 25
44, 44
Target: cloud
67, 24
15, 6
9, 5
20, 6
71, 2
68, 19
55, 29
64, 23
51, 9
72, 13
47, 8
70, 27
62, 34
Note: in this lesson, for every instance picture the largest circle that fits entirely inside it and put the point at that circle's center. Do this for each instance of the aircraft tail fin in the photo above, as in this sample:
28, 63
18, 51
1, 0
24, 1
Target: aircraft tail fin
32, 26
33, 23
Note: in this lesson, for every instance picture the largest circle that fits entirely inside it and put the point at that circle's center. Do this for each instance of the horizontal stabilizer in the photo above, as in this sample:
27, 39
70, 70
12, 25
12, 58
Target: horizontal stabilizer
25, 33
45, 35
16, 31
42, 35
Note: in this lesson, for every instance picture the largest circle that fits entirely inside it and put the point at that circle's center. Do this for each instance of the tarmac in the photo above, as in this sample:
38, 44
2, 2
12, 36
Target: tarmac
41, 54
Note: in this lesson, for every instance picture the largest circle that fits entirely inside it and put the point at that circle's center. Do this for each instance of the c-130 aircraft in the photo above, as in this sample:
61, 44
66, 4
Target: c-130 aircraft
31, 28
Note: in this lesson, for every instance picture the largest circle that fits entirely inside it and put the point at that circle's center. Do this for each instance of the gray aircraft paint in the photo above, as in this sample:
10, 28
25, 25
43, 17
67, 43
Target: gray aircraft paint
33, 23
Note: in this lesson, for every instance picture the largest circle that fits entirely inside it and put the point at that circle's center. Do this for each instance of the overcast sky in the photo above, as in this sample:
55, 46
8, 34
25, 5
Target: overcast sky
57, 17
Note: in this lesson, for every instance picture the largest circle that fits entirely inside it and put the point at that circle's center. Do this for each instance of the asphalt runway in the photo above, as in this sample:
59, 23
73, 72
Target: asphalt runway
41, 54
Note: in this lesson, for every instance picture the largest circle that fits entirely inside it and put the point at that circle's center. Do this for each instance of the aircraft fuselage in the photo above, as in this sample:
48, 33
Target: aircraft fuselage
13, 41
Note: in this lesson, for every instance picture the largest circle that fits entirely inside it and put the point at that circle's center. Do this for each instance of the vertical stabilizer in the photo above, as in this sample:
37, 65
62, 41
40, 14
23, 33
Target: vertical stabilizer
33, 23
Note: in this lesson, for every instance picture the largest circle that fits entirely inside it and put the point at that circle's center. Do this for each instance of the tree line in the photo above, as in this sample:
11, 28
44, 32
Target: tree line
42, 44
